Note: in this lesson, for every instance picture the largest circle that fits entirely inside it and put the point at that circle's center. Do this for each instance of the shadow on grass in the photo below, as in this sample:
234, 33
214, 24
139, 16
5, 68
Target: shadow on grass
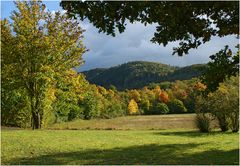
148, 154
191, 133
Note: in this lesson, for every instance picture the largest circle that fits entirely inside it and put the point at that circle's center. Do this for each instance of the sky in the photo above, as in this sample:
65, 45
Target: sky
131, 45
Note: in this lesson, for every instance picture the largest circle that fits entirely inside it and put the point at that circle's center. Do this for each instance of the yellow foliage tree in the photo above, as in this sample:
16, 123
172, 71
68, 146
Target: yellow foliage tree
132, 107
37, 48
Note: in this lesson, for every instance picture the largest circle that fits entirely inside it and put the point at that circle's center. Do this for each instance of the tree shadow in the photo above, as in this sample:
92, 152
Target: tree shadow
192, 134
151, 154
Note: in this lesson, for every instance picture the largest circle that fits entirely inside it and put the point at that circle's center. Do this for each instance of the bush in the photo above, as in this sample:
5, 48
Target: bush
233, 102
161, 108
234, 122
224, 104
176, 106
213, 105
203, 122
223, 122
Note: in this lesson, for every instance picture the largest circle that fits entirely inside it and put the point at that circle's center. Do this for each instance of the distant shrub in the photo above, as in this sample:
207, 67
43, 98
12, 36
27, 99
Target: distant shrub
176, 106
161, 108
203, 122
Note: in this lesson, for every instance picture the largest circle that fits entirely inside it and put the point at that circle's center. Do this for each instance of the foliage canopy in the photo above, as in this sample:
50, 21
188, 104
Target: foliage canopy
191, 23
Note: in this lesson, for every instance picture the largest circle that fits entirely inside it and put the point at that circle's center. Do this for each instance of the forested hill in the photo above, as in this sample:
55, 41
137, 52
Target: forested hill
140, 73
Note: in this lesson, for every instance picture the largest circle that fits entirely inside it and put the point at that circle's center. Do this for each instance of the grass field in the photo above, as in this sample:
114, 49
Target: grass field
170, 146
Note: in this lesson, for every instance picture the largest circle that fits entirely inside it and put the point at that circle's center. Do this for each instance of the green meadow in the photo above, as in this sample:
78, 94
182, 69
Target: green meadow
119, 146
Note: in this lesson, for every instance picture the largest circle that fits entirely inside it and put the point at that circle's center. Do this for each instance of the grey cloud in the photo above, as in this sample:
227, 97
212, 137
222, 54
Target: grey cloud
134, 44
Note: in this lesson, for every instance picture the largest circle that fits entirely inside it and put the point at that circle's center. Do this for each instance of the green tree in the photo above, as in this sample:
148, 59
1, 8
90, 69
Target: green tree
69, 92
222, 66
145, 106
37, 47
161, 108
176, 106
191, 23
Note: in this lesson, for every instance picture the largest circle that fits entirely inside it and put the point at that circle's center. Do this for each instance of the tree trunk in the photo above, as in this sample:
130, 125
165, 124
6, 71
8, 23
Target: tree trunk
36, 119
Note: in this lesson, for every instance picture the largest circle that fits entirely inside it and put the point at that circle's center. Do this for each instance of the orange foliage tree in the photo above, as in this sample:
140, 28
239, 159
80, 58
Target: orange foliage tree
163, 97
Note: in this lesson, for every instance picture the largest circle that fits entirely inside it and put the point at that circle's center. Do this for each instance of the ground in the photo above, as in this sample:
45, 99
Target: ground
132, 146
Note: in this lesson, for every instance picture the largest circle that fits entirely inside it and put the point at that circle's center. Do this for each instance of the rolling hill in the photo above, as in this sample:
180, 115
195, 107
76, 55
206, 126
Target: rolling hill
140, 73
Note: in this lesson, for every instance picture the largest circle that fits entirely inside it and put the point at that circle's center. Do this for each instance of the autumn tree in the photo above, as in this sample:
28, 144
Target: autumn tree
163, 97
37, 48
147, 94
134, 94
200, 87
191, 23
132, 107
157, 91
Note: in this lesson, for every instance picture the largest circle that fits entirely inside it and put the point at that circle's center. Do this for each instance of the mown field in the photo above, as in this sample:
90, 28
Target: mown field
154, 122
133, 146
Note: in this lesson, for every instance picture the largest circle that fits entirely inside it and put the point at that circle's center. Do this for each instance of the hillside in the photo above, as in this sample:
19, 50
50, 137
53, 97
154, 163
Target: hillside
140, 73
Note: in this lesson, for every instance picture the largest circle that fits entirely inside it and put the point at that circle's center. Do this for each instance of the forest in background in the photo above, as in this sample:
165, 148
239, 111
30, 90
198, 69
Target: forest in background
138, 74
